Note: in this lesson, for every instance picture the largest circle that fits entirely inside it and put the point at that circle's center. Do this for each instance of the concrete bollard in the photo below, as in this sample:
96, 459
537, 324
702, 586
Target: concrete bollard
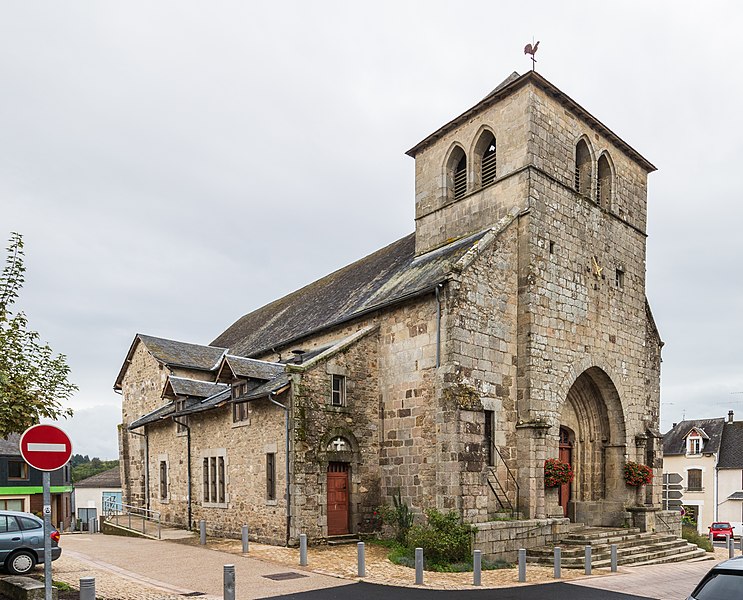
229, 582
87, 588
731, 546
558, 562
361, 559
587, 560
477, 567
711, 538
302, 549
614, 559
522, 565
419, 566
202, 532
245, 539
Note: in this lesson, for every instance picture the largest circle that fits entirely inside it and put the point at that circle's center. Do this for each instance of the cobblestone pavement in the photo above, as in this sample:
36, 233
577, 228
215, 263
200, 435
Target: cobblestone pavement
84, 556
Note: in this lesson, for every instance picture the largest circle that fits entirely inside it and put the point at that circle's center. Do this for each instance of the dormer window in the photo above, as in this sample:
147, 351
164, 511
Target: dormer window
694, 444
239, 389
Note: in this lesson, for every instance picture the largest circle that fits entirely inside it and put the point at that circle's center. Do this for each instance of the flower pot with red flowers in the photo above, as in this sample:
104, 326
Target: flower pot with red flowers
557, 473
636, 474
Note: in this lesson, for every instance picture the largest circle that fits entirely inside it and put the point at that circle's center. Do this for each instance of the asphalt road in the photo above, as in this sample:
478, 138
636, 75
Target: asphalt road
551, 591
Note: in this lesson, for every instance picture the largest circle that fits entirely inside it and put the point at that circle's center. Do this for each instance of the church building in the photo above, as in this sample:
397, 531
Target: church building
509, 328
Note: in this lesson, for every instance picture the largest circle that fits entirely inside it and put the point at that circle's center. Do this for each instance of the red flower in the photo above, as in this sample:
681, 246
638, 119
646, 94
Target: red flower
557, 472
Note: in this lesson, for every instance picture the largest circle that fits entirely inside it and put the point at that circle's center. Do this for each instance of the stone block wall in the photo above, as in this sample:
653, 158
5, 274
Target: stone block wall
501, 540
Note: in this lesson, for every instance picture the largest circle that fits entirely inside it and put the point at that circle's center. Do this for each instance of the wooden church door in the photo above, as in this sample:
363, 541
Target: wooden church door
337, 499
566, 456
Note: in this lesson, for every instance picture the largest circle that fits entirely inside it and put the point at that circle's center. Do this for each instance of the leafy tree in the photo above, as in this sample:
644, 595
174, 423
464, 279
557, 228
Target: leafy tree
88, 468
33, 381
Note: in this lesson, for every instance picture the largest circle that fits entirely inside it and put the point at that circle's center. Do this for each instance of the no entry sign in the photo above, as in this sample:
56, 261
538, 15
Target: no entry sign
45, 447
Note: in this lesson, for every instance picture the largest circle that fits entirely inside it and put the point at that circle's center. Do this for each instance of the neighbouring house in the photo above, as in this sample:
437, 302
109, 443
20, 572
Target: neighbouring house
21, 485
510, 327
92, 494
708, 455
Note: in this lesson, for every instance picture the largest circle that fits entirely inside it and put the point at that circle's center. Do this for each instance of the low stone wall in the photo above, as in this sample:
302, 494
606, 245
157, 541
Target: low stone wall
24, 588
501, 540
668, 521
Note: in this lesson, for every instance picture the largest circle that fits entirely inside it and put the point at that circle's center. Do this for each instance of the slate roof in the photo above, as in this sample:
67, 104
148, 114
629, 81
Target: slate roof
182, 386
509, 86
175, 354
390, 275
11, 445
262, 391
674, 443
254, 369
731, 451
154, 416
107, 479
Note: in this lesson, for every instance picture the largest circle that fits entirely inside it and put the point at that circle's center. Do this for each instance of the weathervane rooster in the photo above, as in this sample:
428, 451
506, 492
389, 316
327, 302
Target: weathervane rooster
529, 49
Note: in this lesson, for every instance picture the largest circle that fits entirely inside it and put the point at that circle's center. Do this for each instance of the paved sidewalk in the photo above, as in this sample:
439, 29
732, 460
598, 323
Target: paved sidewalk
142, 568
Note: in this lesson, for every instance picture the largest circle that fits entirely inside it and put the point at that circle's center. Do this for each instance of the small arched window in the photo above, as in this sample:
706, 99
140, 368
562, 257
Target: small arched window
456, 174
583, 168
603, 182
485, 159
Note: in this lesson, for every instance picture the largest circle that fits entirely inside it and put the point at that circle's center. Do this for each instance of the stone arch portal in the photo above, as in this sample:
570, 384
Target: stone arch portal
593, 413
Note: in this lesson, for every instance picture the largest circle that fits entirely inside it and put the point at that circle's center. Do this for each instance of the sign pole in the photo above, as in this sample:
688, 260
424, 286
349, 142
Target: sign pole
47, 535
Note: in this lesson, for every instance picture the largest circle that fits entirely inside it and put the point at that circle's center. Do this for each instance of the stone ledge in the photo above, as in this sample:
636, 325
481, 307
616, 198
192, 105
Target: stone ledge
24, 588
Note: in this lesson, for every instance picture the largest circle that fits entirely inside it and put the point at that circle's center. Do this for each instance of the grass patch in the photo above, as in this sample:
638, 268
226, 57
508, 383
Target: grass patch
400, 555
690, 534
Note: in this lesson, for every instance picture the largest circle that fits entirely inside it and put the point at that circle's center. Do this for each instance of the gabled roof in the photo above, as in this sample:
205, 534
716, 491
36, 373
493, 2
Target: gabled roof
674, 442
508, 87
11, 445
249, 368
158, 414
697, 431
181, 386
107, 479
392, 274
174, 354
731, 450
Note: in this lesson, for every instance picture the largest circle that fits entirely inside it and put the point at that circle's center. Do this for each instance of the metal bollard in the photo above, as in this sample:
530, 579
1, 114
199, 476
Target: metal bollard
229, 582
87, 588
614, 560
522, 564
361, 559
245, 539
302, 549
419, 566
202, 532
587, 560
731, 546
477, 567
711, 538
558, 562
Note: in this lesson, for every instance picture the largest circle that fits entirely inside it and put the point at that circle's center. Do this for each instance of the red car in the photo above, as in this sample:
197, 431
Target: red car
720, 530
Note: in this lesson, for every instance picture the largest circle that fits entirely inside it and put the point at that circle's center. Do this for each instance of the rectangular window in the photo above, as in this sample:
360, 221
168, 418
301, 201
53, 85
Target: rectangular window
17, 469
488, 437
239, 412
163, 480
12, 504
695, 446
181, 423
694, 480
214, 479
338, 394
271, 476
619, 279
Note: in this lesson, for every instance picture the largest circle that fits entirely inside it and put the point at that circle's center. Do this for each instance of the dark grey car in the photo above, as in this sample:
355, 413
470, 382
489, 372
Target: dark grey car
722, 582
22, 541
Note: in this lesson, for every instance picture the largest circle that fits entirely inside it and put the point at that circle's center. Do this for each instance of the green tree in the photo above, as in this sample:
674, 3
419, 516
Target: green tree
33, 380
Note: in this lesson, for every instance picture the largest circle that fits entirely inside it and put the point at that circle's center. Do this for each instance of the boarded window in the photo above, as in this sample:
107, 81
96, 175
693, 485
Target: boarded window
163, 480
694, 479
485, 159
214, 478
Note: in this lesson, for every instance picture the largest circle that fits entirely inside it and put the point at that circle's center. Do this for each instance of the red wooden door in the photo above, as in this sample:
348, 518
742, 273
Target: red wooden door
566, 456
337, 499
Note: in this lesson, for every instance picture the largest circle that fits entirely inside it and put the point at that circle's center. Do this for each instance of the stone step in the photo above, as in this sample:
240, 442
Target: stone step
626, 542
338, 540
641, 555
597, 533
690, 556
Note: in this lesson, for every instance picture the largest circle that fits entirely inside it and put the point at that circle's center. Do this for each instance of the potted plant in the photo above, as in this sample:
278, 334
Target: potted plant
636, 474
557, 473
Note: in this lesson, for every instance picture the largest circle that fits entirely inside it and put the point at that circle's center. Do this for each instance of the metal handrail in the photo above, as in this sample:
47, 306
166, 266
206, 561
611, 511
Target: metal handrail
113, 511
512, 476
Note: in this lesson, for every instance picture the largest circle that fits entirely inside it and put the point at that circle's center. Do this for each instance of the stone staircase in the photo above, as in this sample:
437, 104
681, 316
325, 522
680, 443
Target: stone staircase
633, 548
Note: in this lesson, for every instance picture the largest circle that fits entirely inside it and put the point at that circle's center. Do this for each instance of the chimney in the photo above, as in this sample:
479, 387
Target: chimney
674, 425
730, 416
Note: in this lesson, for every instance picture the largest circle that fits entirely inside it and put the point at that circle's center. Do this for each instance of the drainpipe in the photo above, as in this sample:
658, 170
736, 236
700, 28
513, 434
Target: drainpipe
438, 325
288, 491
188, 467
146, 466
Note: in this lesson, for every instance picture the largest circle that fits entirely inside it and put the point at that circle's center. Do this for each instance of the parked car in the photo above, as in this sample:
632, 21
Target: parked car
22, 541
721, 529
723, 581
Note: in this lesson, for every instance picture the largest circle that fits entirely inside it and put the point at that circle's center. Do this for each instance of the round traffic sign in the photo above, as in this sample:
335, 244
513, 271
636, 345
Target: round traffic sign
45, 447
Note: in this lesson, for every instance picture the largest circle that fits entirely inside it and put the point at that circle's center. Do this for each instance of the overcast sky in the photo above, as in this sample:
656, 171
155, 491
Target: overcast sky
175, 165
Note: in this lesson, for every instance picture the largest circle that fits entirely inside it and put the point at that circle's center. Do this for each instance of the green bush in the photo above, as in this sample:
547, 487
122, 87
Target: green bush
444, 539
691, 535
